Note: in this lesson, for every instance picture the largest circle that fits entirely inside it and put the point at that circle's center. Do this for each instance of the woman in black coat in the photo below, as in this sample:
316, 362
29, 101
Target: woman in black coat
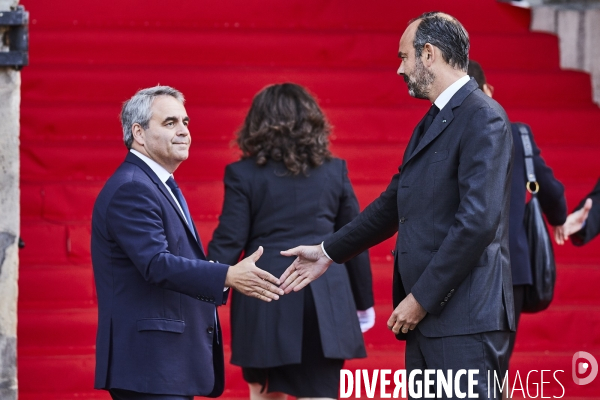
288, 189
551, 196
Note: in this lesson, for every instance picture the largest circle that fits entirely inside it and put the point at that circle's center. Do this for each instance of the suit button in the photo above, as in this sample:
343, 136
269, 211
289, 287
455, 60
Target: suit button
446, 298
443, 303
210, 330
451, 290
402, 220
199, 297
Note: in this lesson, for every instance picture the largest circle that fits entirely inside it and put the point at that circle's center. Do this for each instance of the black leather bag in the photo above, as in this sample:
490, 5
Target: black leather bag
538, 296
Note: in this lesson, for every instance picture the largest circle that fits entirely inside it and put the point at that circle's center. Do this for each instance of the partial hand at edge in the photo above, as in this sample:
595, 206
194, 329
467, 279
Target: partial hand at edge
573, 224
248, 279
309, 264
406, 316
366, 319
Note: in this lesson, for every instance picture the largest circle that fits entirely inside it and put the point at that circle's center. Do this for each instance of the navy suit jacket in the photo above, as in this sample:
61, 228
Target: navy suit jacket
551, 197
157, 294
450, 206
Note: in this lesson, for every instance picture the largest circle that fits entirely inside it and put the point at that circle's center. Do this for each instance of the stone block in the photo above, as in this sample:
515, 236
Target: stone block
571, 31
543, 19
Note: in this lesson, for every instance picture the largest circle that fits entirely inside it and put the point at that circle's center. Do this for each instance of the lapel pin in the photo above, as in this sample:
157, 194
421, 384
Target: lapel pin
444, 121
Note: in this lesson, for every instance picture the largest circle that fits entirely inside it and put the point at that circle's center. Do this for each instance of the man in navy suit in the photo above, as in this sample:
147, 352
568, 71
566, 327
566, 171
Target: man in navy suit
449, 204
158, 331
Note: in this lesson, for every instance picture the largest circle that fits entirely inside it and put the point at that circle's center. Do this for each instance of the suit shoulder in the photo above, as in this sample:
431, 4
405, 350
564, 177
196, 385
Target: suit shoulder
127, 175
479, 104
478, 100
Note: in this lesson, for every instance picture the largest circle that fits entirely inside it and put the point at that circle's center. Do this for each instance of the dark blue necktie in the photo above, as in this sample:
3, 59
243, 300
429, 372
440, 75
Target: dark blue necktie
429, 117
182, 203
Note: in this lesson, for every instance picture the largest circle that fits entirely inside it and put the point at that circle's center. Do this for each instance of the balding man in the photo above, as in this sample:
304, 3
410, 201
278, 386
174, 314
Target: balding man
450, 206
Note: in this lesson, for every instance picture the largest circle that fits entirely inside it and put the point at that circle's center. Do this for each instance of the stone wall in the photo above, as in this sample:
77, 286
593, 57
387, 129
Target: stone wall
577, 26
10, 97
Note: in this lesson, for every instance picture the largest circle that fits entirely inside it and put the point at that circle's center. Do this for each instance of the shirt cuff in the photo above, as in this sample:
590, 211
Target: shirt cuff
324, 252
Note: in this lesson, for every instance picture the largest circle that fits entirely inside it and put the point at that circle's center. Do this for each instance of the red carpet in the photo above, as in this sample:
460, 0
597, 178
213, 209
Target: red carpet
88, 57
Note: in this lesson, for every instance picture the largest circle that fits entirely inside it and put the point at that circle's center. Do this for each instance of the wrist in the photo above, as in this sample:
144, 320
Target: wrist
324, 252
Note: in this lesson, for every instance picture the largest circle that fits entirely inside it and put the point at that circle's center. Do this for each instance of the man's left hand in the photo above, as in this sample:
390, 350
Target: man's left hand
406, 316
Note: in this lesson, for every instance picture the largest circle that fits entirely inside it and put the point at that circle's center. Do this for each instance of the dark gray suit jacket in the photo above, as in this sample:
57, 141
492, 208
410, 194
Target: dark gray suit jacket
450, 206
265, 206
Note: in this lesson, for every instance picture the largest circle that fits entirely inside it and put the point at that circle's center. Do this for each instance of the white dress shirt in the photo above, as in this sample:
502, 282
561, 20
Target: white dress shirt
162, 174
450, 91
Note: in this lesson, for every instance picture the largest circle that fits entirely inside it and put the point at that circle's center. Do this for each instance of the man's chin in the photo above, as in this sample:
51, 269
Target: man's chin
417, 95
182, 156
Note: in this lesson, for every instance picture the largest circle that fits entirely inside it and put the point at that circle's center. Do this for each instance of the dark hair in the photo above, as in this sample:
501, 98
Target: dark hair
447, 34
285, 124
476, 72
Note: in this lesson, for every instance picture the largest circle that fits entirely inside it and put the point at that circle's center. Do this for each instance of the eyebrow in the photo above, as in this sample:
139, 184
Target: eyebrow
175, 119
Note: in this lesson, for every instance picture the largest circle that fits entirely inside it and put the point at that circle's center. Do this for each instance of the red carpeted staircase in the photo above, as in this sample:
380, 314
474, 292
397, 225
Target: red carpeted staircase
88, 57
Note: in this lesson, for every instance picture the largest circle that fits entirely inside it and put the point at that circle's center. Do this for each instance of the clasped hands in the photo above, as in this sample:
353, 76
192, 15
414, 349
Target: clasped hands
311, 262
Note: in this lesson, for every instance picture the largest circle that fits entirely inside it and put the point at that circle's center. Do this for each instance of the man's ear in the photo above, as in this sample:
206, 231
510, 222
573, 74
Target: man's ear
138, 133
428, 54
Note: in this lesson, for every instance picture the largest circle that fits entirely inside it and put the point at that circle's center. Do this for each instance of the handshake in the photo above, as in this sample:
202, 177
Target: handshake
248, 279
310, 263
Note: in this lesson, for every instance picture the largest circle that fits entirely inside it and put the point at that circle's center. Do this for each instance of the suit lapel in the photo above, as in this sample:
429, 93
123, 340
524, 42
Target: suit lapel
132, 158
413, 142
441, 121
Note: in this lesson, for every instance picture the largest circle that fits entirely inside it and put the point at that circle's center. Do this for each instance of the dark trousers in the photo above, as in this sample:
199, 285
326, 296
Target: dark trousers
481, 351
122, 394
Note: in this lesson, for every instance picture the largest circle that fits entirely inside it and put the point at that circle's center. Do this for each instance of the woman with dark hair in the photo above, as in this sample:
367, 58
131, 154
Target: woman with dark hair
288, 189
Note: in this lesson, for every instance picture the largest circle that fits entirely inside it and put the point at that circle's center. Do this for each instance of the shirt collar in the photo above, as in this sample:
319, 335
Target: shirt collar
162, 173
450, 91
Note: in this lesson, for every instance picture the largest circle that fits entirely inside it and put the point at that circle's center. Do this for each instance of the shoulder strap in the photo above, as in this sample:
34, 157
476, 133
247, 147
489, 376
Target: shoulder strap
532, 184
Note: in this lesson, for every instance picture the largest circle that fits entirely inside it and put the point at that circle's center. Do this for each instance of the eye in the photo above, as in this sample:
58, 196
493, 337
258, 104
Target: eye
170, 124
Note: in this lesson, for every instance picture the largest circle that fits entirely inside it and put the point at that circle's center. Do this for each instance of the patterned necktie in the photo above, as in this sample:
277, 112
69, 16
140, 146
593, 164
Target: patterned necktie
433, 111
182, 203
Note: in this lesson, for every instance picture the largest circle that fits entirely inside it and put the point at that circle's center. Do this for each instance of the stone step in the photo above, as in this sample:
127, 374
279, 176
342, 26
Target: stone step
236, 86
267, 48
385, 15
45, 161
352, 124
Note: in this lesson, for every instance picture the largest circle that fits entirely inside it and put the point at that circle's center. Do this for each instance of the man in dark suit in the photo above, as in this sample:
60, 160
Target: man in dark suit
158, 331
583, 224
450, 206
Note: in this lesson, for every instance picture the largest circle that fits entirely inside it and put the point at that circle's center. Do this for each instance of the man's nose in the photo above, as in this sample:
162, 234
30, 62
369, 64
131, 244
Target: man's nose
401, 68
183, 130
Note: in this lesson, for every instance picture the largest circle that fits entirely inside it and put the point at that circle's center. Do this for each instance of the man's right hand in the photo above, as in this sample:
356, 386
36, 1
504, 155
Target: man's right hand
248, 279
310, 263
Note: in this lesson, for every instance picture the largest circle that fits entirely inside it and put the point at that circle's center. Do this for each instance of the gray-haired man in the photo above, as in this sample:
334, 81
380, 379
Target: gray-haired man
158, 331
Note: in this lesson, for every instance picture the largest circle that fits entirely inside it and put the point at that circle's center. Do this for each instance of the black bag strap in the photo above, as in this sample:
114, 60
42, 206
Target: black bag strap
532, 185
